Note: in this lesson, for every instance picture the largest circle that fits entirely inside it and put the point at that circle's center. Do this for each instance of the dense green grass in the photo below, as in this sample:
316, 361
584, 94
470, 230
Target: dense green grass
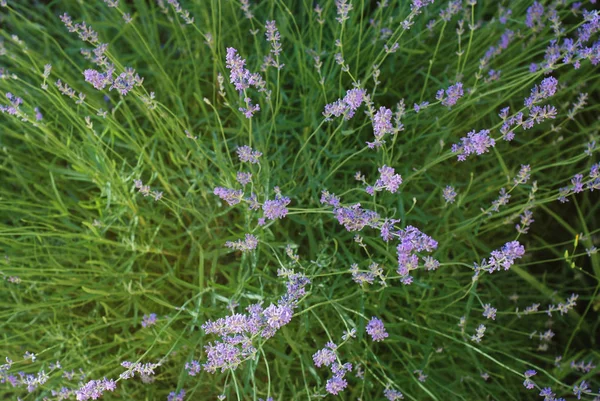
86, 255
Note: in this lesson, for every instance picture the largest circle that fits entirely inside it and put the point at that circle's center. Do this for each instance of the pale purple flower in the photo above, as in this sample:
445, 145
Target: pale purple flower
449, 194
388, 180
173, 396
193, 368
393, 395
335, 385
489, 312
247, 154
149, 320
277, 208
243, 178
94, 389
274, 38
248, 244
376, 329
231, 196
453, 93
474, 143
547, 88
528, 383
325, 356
534, 16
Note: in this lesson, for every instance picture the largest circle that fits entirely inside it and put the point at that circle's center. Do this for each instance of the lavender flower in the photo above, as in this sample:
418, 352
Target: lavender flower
149, 320
453, 93
474, 143
335, 385
479, 333
231, 196
247, 154
504, 257
94, 389
523, 175
528, 383
276, 209
393, 395
325, 356
534, 16
273, 37
243, 177
449, 194
489, 312
376, 329
173, 396
248, 244
346, 106
343, 8
388, 180
546, 89
193, 368
355, 218
382, 124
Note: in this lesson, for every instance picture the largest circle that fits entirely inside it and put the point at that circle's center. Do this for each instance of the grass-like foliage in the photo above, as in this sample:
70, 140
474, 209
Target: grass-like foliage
295, 200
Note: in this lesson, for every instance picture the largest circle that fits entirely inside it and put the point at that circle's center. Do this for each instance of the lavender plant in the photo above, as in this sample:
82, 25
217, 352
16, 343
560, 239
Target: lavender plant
235, 200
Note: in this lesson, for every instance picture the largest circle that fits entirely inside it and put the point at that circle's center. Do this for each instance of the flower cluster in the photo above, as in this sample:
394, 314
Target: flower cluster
145, 370
412, 240
243, 79
376, 329
453, 93
388, 180
248, 155
502, 258
248, 244
528, 383
149, 320
276, 208
347, 106
146, 191
474, 143
238, 331
328, 357
94, 389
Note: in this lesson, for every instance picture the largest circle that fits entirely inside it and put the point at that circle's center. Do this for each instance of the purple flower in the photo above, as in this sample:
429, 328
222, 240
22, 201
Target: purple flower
330, 199
528, 383
376, 329
534, 16
248, 244
449, 194
582, 388
324, 356
173, 396
231, 196
453, 93
489, 312
273, 36
97, 79
193, 368
94, 389
388, 180
278, 316
355, 218
382, 124
247, 154
577, 183
276, 209
546, 89
243, 177
149, 320
335, 385
346, 106
523, 175
393, 395
474, 143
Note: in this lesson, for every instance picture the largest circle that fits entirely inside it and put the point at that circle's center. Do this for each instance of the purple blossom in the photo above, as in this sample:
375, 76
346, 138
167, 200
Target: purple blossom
335, 385
505, 257
523, 175
581, 388
489, 312
324, 356
274, 38
247, 154
355, 218
149, 320
534, 16
193, 368
577, 183
547, 88
97, 79
330, 199
346, 106
388, 180
231, 196
474, 143
276, 209
243, 177
376, 329
453, 93
449, 194
173, 396
382, 124
94, 389
393, 395
248, 244
528, 383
